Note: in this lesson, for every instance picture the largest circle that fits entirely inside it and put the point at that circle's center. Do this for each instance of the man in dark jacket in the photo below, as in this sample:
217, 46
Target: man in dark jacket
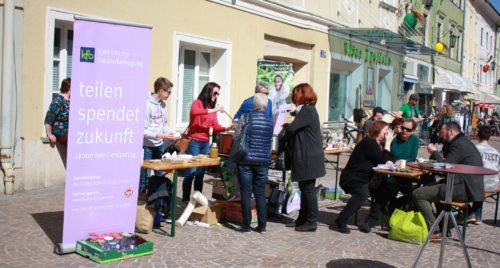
457, 149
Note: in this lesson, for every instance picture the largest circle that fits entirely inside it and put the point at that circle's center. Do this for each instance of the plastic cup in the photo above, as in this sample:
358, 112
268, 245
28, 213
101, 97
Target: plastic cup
402, 163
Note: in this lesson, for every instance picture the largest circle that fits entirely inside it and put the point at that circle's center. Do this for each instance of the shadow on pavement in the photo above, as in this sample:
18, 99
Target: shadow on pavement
52, 224
357, 263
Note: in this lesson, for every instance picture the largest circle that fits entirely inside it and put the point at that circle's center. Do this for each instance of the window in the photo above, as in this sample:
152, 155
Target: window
426, 22
487, 35
458, 45
439, 31
423, 72
62, 53
480, 80
481, 38
197, 60
195, 67
491, 43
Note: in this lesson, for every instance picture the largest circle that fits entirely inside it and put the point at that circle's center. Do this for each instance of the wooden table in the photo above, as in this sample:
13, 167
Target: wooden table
413, 173
168, 167
335, 164
446, 212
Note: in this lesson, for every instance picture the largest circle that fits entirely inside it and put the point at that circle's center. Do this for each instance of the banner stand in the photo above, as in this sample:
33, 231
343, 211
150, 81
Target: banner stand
62, 249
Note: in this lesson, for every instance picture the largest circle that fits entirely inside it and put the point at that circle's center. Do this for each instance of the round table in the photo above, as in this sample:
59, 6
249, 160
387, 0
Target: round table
446, 212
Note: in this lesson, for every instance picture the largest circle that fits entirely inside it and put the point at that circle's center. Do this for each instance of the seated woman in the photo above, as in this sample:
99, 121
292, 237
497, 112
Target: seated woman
368, 153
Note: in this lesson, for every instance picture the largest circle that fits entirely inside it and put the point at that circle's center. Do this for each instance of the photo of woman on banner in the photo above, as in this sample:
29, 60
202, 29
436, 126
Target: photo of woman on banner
278, 95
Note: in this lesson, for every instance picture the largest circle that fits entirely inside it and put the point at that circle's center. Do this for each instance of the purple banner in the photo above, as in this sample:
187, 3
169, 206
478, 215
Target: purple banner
106, 127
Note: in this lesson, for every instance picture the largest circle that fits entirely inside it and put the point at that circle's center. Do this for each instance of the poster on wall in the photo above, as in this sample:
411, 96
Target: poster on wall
108, 99
280, 78
369, 82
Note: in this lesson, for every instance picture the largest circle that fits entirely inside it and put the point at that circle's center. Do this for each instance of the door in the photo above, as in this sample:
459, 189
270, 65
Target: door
337, 100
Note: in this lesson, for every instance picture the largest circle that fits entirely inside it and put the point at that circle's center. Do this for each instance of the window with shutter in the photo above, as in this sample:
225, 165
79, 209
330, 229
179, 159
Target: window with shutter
195, 70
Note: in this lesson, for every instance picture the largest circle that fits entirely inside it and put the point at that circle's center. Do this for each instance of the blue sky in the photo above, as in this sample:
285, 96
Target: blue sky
496, 4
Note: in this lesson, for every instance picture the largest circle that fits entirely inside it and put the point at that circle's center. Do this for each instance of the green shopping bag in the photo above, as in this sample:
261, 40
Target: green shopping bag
408, 227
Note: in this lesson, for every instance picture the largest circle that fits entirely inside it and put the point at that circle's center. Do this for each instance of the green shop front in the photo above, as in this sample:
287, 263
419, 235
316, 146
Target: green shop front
367, 70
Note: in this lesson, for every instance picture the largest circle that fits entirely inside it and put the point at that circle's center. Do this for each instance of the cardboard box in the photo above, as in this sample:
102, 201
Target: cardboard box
208, 214
232, 211
219, 190
100, 255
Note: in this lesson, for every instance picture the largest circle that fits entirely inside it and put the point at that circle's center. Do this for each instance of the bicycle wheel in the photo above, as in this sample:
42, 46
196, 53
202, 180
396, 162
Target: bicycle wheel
352, 136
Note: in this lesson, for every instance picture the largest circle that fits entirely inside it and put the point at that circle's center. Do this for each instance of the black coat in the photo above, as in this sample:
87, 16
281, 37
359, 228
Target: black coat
305, 145
466, 187
366, 155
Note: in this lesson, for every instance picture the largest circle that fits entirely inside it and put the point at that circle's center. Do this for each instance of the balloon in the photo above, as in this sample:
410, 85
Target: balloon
439, 47
486, 67
410, 21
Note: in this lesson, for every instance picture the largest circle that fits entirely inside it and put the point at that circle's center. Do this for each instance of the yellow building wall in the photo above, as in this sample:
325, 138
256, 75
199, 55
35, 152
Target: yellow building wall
246, 33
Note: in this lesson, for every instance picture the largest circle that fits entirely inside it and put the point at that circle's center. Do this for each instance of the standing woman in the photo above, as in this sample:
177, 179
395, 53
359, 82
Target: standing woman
447, 114
202, 117
57, 119
305, 151
252, 170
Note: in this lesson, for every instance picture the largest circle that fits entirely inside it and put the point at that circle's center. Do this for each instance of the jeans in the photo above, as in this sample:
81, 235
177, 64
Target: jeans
253, 179
195, 148
150, 153
359, 193
423, 198
308, 213
477, 210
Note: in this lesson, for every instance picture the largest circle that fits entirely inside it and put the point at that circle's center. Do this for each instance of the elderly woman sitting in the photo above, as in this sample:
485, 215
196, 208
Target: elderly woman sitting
255, 130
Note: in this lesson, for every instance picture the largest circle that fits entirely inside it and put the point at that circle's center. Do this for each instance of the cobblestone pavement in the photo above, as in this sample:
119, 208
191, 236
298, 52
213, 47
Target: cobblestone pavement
30, 222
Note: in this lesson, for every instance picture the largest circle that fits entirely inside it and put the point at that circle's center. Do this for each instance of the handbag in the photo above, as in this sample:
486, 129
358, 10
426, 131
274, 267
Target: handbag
238, 151
182, 144
409, 227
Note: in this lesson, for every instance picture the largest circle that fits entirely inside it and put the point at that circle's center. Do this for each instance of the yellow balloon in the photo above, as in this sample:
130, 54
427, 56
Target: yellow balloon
439, 47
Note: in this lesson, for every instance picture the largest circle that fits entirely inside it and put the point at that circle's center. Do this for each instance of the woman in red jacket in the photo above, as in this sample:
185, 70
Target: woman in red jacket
202, 117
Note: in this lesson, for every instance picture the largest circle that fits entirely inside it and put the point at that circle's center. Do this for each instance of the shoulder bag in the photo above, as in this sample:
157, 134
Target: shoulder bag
182, 144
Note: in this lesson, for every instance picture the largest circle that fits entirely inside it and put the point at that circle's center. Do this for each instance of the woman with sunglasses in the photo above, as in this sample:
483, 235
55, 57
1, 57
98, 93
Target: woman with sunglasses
202, 117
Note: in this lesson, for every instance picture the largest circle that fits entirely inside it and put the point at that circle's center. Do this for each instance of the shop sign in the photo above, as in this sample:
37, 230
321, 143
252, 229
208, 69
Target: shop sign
367, 54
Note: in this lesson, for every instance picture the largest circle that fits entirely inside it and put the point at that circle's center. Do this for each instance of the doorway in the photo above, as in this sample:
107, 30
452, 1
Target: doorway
337, 99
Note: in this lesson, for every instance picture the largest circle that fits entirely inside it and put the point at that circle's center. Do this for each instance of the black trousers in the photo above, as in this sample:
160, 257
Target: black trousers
308, 213
359, 193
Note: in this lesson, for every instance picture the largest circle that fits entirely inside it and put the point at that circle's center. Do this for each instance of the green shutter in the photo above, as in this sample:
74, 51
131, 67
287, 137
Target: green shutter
70, 53
188, 83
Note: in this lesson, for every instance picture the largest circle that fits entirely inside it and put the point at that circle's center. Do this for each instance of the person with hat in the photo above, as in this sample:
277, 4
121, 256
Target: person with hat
377, 114
410, 110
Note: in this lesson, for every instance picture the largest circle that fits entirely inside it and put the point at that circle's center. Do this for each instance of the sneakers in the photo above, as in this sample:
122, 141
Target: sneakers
469, 219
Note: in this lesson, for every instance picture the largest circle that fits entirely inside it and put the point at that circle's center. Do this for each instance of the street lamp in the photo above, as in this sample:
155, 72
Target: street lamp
453, 39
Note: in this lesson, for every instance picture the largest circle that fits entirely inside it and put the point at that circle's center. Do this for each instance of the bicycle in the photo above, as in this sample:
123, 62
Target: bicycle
351, 132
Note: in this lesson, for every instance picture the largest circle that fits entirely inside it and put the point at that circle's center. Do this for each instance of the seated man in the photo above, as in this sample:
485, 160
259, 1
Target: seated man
458, 149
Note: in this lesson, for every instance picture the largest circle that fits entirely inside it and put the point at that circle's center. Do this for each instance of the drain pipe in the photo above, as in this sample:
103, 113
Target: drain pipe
6, 140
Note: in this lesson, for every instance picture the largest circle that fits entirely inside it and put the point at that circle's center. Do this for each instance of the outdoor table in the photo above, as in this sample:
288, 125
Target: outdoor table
413, 173
174, 167
335, 164
446, 212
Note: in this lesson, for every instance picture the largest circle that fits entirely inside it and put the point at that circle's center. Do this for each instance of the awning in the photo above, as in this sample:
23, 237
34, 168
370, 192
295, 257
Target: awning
449, 80
385, 39
410, 79
488, 98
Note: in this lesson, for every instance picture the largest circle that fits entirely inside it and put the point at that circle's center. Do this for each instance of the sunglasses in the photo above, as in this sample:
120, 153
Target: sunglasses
216, 94
406, 129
